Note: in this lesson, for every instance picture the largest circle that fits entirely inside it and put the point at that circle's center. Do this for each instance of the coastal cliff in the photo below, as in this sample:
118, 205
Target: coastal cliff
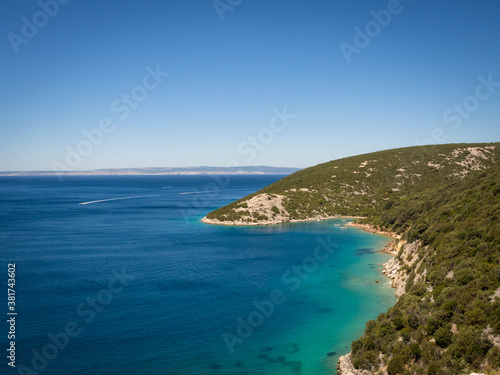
446, 274
391, 269
442, 206
403, 255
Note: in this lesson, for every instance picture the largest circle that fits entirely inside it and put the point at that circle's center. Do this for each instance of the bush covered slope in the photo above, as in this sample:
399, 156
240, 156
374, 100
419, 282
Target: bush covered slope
448, 319
358, 185
444, 201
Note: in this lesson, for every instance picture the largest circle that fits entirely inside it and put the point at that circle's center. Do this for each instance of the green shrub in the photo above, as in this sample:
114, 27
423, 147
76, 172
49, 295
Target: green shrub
396, 365
476, 316
434, 368
356, 346
494, 357
449, 307
366, 360
418, 289
470, 345
405, 334
398, 322
409, 282
443, 337
369, 343
415, 351
437, 291
464, 276
433, 325
413, 321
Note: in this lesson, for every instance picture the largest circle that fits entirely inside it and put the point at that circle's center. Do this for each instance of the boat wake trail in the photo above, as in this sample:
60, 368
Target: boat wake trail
199, 192
116, 199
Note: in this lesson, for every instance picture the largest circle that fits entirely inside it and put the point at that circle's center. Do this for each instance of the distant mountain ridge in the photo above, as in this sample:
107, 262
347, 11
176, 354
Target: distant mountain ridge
163, 171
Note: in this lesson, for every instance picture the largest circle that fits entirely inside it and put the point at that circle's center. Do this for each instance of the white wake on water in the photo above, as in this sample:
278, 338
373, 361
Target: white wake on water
200, 192
116, 199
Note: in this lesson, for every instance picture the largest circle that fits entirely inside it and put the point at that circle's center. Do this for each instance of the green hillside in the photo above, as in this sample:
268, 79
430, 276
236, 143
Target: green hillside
358, 185
444, 201
448, 319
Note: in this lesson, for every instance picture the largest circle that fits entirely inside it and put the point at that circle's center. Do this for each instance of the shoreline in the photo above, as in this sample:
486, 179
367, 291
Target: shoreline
371, 229
391, 271
273, 222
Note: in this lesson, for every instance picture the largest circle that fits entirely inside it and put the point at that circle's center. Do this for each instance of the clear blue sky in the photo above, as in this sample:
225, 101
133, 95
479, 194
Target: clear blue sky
226, 78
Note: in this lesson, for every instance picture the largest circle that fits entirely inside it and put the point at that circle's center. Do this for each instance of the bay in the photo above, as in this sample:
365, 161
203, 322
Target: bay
149, 289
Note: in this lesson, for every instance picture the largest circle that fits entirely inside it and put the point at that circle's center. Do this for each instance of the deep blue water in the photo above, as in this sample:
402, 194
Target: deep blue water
146, 288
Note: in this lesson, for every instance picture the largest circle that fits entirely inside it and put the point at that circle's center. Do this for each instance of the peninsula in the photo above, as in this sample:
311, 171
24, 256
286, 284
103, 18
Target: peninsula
442, 202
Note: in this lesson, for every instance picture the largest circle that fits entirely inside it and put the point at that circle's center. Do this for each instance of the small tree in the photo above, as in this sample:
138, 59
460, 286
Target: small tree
396, 365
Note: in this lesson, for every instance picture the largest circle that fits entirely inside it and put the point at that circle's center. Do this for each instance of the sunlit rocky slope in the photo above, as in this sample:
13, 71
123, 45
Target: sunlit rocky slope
358, 185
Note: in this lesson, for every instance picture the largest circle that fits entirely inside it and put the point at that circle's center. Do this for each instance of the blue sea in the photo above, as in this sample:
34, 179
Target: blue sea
132, 282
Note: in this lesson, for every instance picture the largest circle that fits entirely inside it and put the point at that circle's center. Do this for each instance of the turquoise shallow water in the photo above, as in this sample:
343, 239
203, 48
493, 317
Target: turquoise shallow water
183, 287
